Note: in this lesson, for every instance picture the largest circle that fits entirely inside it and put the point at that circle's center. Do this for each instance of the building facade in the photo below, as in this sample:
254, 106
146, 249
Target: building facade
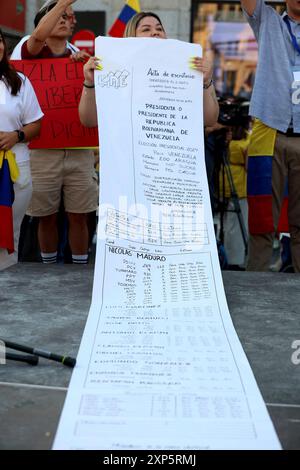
218, 25
175, 15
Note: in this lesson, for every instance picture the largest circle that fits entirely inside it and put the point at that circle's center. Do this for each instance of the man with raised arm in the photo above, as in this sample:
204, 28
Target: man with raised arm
16, 53
60, 171
274, 152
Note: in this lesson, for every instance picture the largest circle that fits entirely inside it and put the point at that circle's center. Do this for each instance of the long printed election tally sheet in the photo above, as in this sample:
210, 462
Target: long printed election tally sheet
160, 365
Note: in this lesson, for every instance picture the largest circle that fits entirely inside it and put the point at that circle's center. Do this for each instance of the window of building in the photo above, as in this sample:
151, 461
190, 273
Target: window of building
221, 29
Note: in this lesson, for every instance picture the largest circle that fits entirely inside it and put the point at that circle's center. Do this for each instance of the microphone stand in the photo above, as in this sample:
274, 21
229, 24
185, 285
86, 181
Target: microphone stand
32, 360
65, 360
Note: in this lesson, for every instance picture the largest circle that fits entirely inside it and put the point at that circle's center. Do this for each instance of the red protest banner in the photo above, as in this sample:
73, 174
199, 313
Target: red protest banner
58, 86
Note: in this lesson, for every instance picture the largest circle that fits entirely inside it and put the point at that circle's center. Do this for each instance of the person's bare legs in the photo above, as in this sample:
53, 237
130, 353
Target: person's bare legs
47, 233
78, 235
48, 238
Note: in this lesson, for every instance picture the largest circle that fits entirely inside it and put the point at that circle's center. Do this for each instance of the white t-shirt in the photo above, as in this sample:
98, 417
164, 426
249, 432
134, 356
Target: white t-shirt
16, 111
16, 53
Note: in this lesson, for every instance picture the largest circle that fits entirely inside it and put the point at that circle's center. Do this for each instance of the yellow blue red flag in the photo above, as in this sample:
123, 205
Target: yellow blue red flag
9, 172
128, 11
259, 183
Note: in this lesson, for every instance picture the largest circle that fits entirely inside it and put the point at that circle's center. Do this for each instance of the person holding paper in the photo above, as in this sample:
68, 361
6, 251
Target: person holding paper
57, 171
20, 122
147, 24
274, 151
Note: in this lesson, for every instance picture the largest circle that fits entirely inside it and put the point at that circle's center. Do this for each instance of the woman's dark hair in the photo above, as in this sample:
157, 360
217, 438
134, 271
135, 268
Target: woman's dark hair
8, 73
240, 131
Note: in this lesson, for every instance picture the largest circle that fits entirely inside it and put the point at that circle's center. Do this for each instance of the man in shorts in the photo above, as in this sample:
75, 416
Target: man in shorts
63, 171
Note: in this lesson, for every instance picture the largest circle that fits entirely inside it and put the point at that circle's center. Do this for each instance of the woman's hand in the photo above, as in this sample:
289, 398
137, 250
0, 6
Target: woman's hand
8, 140
80, 56
204, 66
210, 102
89, 69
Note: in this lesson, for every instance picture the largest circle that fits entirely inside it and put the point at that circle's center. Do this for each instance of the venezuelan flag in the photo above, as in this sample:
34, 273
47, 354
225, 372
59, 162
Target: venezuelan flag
8, 173
129, 10
259, 182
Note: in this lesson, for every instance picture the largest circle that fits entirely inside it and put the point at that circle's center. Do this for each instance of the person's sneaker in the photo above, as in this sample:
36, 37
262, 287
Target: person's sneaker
287, 268
276, 266
234, 267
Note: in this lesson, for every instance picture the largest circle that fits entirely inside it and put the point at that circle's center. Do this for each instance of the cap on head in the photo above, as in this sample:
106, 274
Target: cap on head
47, 6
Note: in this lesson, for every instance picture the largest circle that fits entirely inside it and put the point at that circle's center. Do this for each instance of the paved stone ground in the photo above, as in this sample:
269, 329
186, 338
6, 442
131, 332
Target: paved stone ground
46, 307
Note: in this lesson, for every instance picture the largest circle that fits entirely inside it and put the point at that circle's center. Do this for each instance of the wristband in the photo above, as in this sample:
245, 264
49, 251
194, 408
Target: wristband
88, 86
207, 85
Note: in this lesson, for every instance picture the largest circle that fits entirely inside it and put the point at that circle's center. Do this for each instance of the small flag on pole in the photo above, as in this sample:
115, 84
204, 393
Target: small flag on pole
128, 11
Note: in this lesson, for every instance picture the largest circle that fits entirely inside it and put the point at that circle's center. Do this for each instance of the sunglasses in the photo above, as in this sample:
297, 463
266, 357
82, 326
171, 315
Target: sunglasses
67, 17
64, 16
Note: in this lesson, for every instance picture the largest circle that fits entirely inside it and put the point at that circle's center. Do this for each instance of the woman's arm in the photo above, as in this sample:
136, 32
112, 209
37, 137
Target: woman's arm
87, 106
210, 102
32, 130
210, 106
9, 139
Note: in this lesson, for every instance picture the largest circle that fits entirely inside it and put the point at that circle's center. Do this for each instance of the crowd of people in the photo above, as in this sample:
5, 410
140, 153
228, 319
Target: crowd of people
264, 162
